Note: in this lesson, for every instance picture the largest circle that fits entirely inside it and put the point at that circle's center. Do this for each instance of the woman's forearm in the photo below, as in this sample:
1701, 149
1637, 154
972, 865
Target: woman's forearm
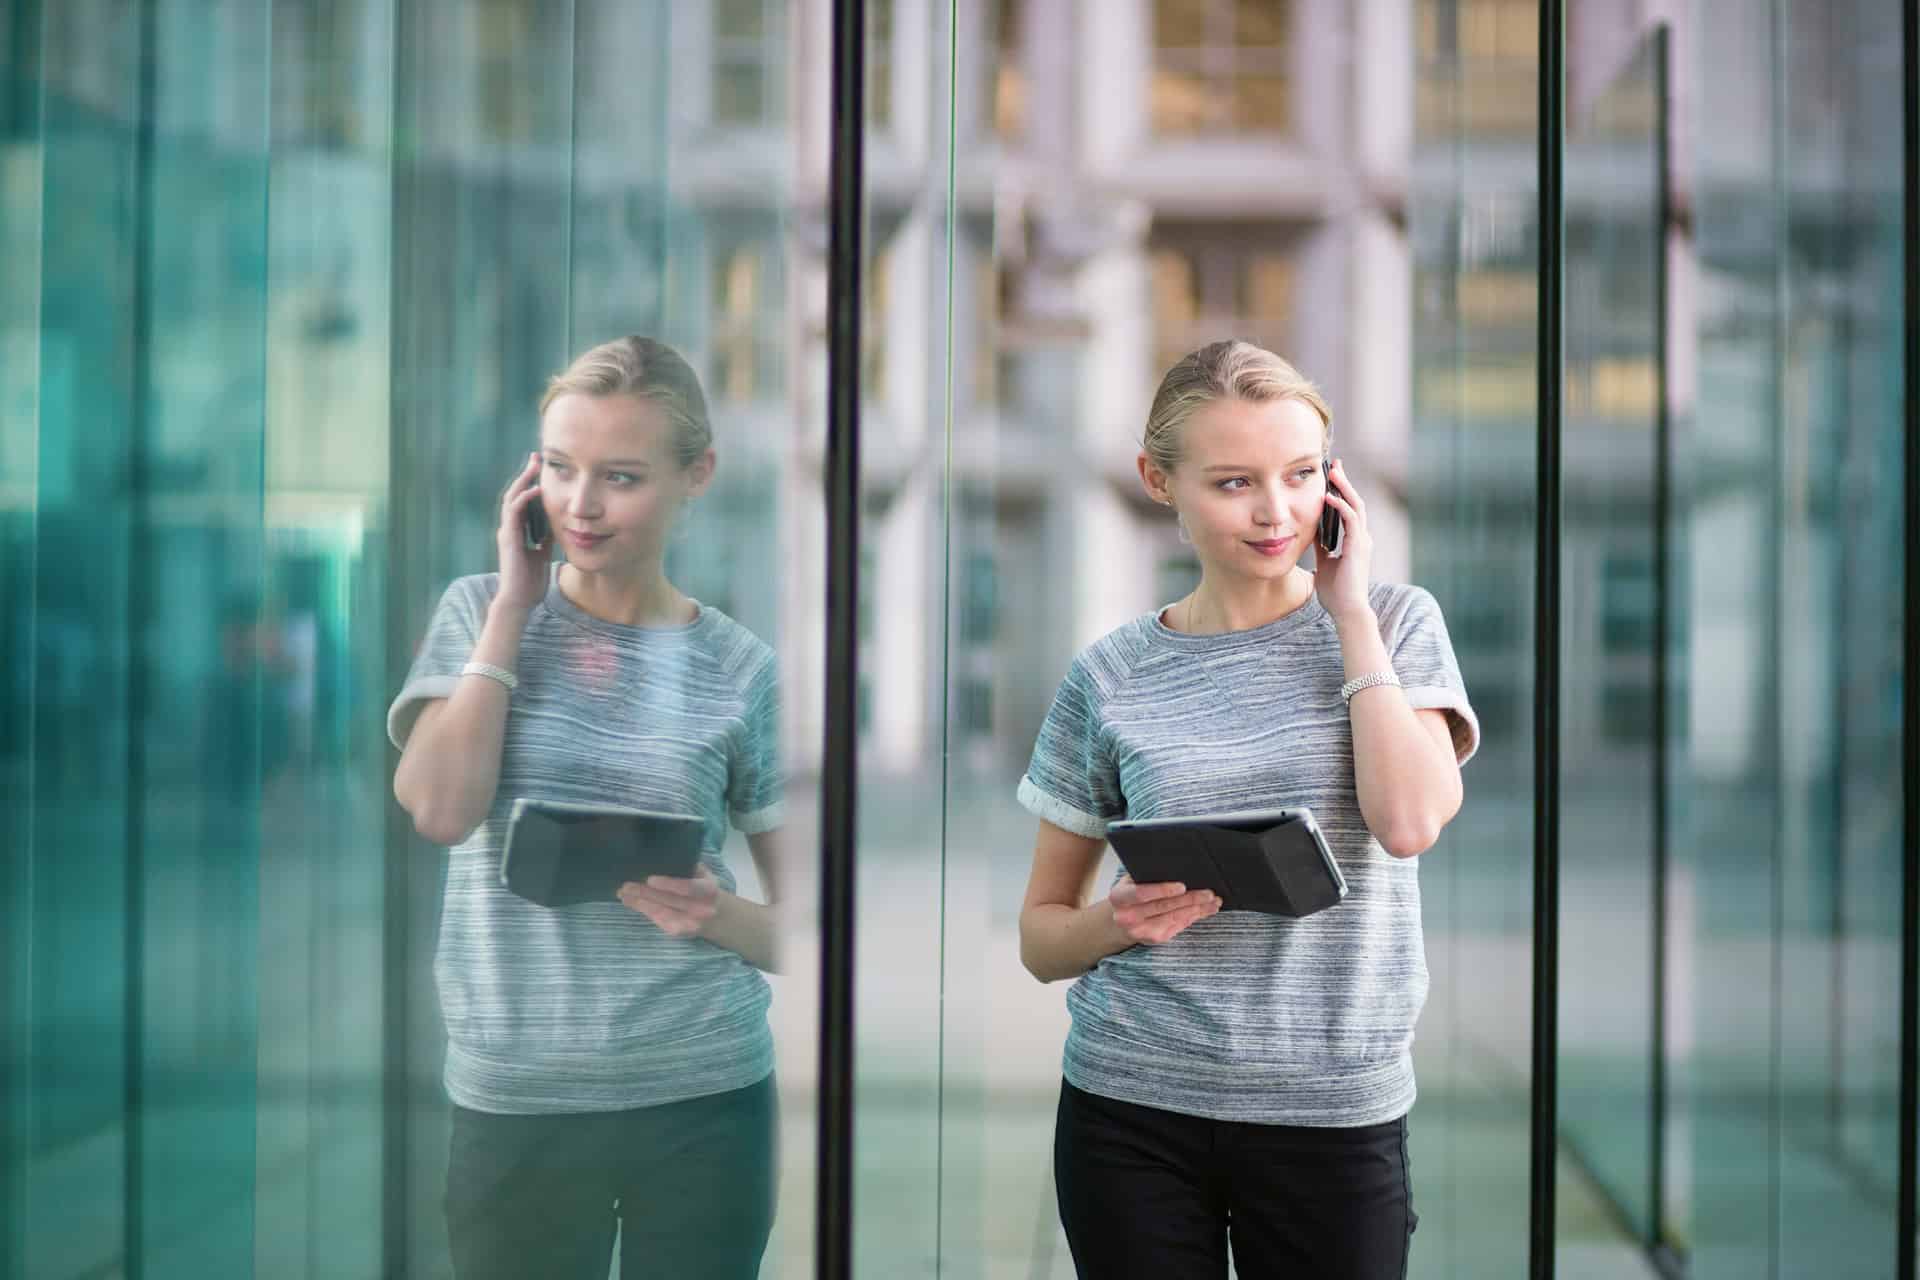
1407, 789
751, 930
1058, 941
450, 769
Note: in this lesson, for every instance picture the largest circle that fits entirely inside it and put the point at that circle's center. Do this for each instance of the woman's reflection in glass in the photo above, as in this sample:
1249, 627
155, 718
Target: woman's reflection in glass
611, 1059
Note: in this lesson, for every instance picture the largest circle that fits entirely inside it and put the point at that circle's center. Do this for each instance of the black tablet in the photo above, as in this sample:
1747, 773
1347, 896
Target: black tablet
560, 854
1272, 860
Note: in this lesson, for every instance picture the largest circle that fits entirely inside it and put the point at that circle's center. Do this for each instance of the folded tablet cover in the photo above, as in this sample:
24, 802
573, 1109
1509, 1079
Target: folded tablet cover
558, 855
1279, 866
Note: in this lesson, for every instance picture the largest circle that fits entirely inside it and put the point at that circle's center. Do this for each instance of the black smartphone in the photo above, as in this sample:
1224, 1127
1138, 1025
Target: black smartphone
534, 525
1333, 530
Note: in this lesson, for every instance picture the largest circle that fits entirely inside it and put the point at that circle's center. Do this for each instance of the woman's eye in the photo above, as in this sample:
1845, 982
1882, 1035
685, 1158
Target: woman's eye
1232, 481
558, 468
623, 478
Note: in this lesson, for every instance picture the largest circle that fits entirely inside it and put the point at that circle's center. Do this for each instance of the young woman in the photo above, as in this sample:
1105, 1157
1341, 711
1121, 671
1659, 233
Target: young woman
1235, 1079
607, 1058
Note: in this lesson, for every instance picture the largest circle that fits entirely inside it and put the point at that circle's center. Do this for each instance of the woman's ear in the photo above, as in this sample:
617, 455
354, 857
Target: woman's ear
1152, 479
700, 474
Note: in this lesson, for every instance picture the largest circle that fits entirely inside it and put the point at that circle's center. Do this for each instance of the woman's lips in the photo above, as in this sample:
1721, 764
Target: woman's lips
580, 539
1272, 546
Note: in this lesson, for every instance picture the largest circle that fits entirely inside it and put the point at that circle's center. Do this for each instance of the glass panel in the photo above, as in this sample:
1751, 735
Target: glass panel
70, 342
1843, 563
1614, 230
286, 283
321, 1132
1042, 542
674, 669
1472, 200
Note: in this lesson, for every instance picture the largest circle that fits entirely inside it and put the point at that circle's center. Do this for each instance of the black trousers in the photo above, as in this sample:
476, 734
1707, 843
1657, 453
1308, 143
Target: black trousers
692, 1184
1154, 1194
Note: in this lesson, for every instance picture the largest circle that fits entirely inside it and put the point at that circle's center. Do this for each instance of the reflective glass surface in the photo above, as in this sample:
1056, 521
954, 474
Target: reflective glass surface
1614, 223
1471, 474
286, 285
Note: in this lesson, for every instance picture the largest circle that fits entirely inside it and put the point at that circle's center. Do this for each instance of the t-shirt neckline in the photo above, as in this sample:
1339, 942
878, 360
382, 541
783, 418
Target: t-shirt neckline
561, 607
1308, 612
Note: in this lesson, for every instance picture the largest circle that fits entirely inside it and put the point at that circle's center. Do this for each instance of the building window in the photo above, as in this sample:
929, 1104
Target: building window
744, 84
1478, 66
744, 334
873, 328
880, 63
979, 600
509, 104
1220, 66
1219, 282
1006, 76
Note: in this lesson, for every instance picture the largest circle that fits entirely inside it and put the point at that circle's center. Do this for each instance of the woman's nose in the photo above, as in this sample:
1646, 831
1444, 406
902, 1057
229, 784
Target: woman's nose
582, 501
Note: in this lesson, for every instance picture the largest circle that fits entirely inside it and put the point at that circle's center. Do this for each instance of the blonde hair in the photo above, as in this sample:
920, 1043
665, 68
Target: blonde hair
650, 370
1230, 370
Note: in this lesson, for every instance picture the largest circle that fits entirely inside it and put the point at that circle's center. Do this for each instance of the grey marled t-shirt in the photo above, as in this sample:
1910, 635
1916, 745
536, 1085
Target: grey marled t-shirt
591, 1007
1246, 1016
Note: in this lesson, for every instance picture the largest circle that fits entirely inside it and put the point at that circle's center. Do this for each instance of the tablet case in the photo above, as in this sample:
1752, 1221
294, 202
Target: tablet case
1273, 861
561, 854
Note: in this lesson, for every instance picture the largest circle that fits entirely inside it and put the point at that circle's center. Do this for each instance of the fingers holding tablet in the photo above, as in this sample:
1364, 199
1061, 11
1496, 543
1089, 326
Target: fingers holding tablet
1157, 912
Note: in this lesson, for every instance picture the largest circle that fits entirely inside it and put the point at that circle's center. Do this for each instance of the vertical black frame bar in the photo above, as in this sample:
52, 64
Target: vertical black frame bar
1907, 1220
1546, 657
833, 1252
1662, 41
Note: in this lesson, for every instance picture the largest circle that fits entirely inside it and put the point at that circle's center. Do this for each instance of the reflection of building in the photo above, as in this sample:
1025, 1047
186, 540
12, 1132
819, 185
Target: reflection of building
1131, 178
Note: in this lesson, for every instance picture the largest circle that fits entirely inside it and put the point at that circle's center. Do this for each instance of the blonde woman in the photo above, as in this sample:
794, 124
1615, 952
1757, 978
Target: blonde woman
605, 1060
1236, 1080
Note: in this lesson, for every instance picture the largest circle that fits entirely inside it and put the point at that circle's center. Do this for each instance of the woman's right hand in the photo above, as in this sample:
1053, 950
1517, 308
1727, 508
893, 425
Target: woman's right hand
523, 573
1153, 913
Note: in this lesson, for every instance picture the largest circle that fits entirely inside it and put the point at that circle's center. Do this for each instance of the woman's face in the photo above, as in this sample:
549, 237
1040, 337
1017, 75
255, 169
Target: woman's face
609, 480
1249, 485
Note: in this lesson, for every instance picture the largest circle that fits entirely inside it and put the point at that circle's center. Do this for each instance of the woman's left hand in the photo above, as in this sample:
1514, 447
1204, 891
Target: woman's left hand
1341, 583
681, 907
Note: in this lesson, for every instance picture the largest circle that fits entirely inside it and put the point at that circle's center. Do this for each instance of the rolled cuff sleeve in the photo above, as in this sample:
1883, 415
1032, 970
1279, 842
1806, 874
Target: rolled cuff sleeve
1461, 720
1059, 812
412, 701
760, 821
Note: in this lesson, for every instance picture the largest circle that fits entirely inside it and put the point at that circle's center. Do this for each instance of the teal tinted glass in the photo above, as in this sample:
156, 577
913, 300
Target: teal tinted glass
285, 286
1610, 880
1472, 505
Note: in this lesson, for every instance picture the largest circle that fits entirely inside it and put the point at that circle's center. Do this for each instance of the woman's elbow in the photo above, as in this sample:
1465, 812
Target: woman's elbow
1411, 840
1032, 960
432, 821
1413, 836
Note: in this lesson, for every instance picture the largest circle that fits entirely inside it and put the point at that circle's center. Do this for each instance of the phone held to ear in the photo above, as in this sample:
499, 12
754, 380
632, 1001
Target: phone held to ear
533, 524
1333, 530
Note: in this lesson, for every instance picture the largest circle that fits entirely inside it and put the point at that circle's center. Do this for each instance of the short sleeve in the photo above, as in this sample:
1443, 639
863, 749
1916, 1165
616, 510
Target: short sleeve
1422, 656
754, 785
451, 636
1072, 780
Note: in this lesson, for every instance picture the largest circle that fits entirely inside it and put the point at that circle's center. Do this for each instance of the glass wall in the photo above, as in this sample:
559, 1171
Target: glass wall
285, 282
1791, 471
285, 285
1612, 890
1471, 483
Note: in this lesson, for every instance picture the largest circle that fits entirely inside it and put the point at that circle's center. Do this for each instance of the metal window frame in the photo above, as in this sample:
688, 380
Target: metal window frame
833, 1205
1550, 363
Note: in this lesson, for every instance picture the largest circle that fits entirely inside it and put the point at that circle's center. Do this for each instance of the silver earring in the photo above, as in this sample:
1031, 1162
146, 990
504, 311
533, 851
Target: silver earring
1180, 524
